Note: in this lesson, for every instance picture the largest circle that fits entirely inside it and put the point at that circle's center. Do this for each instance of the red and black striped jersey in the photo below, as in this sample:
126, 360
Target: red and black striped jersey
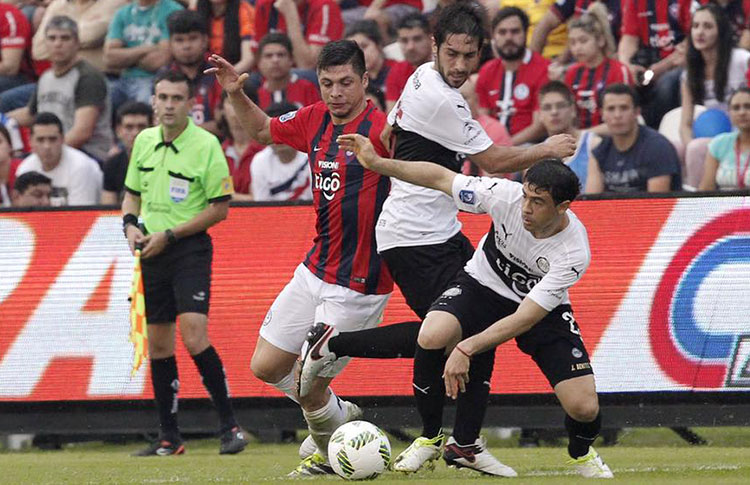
347, 197
588, 83
512, 97
657, 23
300, 92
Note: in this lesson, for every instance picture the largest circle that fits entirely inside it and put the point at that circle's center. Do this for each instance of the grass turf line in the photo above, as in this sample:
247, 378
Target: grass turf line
644, 456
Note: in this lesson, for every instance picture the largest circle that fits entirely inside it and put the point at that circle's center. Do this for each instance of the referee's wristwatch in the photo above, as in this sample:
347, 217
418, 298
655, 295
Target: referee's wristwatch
171, 238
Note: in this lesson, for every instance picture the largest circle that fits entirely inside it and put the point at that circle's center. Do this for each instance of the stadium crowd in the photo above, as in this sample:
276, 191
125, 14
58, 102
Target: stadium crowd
651, 90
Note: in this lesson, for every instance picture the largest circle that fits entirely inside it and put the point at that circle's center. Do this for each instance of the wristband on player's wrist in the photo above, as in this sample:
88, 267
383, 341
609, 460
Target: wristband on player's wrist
129, 220
463, 351
171, 238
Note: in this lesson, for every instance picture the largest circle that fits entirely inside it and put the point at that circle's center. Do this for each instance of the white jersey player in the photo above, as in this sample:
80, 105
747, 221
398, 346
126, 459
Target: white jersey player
515, 286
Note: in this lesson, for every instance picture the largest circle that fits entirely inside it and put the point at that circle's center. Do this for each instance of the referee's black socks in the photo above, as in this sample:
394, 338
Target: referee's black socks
387, 342
212, 371
581, 435
166, 384
429, 388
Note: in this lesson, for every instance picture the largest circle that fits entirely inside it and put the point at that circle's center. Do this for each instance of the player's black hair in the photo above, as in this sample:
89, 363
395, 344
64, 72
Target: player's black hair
30, 179
506, 12
461, 18
134, 108
340, 53
620, 88
185, 22
174, 77
368, 28
558, 87
553, 176
275, 38
46, 118
280, 108
413, 21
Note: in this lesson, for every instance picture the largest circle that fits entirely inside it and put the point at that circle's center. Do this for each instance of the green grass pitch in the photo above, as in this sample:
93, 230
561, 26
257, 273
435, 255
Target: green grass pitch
645, 456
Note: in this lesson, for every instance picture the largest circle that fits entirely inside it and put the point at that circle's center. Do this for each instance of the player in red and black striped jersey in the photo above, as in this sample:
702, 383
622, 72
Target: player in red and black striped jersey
343, 280
653, 47
591, 43
508, 87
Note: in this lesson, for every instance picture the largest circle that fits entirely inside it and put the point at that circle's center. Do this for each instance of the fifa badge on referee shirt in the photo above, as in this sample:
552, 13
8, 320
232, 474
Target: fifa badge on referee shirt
178, 189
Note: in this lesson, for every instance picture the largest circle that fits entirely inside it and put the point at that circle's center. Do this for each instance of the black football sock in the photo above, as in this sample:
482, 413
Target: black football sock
471, 405
429, 389
386, 342
581, 435
211, 370
166, 384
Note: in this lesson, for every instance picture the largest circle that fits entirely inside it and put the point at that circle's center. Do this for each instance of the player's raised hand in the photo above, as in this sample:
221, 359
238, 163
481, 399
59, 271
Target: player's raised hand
229, 79
362, 147
456, 374
285, 6
561, 146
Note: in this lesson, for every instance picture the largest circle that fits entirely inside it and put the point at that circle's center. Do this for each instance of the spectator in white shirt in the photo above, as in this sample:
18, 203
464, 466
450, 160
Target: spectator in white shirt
76, 177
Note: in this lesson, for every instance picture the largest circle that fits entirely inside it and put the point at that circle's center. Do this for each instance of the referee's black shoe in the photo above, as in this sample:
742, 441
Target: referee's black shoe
233, 441
162, 447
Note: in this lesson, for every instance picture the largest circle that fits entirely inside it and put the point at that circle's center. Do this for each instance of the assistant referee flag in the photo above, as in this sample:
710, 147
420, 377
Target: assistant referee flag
138, 333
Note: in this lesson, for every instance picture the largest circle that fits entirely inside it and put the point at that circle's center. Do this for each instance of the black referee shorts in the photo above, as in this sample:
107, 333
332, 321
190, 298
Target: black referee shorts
178, 280
423, 272
554, 343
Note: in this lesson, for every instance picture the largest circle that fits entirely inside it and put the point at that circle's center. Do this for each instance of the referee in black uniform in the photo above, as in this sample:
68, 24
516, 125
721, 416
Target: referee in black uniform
178, 182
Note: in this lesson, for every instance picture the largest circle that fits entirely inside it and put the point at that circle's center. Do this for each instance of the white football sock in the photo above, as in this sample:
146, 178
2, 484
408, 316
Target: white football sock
288, 387
324, 421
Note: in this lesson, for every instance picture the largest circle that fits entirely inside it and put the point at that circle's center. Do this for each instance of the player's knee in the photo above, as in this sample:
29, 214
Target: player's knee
195, 344
266, 371
431, 338
159, 350
584, 410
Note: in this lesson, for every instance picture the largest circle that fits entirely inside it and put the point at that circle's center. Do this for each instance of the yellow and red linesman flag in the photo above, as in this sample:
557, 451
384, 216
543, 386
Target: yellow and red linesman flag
138, 332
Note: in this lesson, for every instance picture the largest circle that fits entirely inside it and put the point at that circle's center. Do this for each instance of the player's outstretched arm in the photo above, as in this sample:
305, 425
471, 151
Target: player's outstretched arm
426, 174
252, 118
500, 159
456, 373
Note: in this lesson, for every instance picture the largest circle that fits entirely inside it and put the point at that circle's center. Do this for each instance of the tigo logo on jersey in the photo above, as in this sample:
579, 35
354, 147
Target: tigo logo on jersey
697, 350
329, 184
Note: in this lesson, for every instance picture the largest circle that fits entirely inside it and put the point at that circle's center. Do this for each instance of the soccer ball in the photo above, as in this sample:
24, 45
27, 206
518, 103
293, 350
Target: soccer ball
359, 450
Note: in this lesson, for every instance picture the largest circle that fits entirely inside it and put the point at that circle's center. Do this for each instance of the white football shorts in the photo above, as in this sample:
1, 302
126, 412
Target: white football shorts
306, 300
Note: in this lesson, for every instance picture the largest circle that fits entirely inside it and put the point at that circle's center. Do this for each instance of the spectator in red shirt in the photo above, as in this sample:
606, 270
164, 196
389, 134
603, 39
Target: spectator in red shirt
367, 36
279, 82
415, 39
591, 43
188, 46
508, 87
15, 40
239, 148
652, 46
310, 24
231, 30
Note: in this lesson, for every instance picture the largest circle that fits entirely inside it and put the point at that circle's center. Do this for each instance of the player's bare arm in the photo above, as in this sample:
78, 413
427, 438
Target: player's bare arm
456, 373
425, 174
216, 212
499, 159
253, 119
